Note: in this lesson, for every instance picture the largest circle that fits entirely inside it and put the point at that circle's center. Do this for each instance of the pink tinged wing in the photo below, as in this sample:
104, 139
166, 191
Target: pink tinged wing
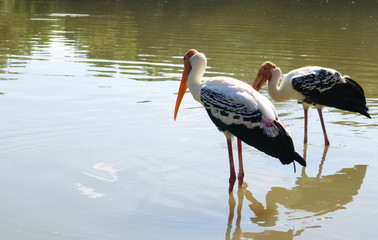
235, 102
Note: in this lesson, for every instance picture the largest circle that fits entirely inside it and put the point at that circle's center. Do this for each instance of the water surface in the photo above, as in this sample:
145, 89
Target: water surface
89, 148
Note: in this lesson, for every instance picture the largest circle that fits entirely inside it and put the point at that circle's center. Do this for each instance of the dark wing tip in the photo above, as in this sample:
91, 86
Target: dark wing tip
366, 114
299, 159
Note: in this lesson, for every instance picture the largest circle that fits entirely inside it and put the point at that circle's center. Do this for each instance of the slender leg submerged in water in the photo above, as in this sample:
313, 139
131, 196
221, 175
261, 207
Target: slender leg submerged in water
232, 178
326, 141
241, 168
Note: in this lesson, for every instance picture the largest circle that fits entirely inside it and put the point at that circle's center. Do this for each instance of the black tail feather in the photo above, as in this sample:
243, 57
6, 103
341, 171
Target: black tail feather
360, 95
299, 159
280, 147
347, 96
287, 145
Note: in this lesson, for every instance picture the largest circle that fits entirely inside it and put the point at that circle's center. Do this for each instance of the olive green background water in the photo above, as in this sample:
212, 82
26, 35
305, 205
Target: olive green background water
89, 148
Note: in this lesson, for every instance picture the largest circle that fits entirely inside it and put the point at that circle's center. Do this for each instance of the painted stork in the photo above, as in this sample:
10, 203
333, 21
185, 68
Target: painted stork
313, 85
237, 110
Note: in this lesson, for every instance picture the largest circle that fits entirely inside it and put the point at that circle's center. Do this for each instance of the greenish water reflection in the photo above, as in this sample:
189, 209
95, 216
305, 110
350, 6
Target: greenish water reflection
237, 37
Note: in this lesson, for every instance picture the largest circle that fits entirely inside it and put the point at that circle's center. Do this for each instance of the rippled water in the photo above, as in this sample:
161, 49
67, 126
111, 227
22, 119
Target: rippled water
89, 148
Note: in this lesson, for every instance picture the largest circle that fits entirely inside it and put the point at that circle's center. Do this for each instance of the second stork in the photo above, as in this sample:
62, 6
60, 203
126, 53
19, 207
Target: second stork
313, 85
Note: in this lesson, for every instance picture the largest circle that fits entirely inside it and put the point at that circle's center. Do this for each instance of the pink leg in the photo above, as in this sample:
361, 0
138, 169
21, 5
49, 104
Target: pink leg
232, 178
305, 125
241, 168
326, 141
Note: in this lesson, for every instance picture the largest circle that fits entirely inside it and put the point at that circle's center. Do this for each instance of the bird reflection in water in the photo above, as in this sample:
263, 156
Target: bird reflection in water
324, 152
308, 202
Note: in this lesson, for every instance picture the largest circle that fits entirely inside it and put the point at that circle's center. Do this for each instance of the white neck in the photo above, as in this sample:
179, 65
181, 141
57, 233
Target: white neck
278, 94
198, 63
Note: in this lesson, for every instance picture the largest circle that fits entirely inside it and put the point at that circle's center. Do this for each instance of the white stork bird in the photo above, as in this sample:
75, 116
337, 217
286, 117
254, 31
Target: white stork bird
313, 85
237, 110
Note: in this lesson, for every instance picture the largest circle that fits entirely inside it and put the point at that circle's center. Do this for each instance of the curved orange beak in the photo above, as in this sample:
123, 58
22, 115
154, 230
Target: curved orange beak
264, 74
259, 82
182, 90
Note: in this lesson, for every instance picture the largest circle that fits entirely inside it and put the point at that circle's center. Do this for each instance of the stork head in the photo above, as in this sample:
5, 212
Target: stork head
184, 78
264, 74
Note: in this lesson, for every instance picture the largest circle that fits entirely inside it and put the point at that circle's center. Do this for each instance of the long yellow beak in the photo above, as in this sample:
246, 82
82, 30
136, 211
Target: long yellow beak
182, 90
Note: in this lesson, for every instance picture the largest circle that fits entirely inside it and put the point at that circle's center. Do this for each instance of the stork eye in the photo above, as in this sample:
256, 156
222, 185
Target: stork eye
265, 68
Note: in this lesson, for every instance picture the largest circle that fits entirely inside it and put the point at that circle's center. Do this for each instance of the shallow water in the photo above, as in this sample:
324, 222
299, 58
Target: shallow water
89, 148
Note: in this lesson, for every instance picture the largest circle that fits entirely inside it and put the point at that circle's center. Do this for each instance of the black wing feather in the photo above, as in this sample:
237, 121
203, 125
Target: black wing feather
281, 146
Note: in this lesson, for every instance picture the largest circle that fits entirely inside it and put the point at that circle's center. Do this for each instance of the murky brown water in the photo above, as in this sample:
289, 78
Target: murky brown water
89, 148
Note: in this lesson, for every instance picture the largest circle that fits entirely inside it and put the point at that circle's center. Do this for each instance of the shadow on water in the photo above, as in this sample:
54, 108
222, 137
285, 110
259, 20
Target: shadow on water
306, 203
